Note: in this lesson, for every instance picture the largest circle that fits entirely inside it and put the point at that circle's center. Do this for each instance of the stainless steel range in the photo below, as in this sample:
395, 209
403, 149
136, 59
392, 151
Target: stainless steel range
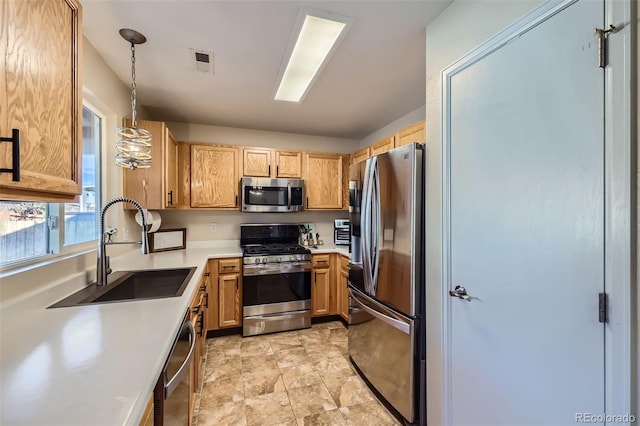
276, 294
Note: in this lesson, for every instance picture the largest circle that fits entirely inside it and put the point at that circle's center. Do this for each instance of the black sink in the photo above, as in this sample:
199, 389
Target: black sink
132, 285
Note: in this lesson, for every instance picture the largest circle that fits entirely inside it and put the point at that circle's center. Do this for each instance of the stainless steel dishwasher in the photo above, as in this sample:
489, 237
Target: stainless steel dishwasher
171, 404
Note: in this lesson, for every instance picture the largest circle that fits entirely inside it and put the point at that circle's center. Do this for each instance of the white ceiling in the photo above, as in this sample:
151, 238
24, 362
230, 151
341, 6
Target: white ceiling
376, 76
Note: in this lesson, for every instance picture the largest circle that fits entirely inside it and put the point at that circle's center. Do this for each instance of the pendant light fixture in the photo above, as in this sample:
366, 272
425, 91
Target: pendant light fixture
133, 144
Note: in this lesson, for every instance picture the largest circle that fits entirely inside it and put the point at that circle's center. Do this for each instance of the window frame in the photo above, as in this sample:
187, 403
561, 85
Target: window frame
56, 248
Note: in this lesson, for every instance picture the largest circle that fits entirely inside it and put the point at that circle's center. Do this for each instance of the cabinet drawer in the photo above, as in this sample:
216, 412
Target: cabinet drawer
320, 261
226, 266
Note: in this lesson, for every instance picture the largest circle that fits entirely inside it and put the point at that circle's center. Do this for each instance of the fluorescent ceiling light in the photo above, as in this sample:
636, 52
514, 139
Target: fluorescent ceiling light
317, 38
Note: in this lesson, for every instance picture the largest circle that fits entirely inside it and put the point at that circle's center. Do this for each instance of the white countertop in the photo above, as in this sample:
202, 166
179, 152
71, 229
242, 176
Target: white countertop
94, 364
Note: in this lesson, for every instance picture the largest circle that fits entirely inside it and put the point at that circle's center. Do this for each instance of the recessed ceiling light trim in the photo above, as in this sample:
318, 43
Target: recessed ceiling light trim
316, 36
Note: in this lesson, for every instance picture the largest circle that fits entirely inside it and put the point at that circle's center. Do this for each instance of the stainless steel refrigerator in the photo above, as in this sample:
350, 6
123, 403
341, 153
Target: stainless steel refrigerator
386, 278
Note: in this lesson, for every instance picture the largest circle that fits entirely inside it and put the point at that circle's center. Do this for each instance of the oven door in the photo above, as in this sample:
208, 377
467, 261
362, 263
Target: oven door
276, 297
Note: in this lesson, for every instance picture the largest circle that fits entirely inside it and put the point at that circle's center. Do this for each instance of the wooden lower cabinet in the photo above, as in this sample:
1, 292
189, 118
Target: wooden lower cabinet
343, 288
229, 300
323, 289
225, 295
147, 416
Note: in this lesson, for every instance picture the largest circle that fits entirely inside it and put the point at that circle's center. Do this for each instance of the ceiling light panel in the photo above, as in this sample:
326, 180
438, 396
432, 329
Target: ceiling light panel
317, 35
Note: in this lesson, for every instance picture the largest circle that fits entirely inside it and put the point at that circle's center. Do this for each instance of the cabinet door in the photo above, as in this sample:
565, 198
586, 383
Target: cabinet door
383, 145
214, 176
229, 300
256, 162
320, 288
147, 186
323, 181
343, 295
172, 198
288, 164
360, 155
415, 133
41, 97
184, 174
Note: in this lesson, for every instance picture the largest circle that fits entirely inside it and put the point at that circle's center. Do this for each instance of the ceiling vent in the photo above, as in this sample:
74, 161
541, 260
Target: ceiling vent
202, 61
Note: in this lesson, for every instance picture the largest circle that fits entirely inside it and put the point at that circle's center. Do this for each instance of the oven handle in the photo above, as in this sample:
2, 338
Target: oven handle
277, 316
252, 270
170, 385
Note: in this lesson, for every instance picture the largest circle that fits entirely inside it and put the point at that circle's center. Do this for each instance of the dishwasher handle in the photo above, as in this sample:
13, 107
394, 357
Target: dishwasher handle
171, 384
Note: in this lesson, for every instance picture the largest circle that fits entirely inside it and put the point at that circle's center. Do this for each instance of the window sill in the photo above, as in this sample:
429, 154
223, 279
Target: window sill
46, 260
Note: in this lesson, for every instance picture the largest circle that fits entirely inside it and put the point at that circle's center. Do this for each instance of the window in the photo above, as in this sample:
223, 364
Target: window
29, 230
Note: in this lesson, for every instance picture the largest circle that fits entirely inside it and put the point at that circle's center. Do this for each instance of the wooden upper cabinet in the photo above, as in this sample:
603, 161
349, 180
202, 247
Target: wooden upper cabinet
361, 155
265, 162
323, 181
41, 97
256, 162
184, 175
214, 176
414, 133
156, 187
288, 164
171, 165
383, 145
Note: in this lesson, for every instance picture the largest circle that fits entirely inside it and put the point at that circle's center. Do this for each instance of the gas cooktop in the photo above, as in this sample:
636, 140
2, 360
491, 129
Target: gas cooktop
273, 249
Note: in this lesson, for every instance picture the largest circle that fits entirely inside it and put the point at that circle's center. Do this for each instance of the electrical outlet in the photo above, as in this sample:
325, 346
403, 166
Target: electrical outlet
214, 227
126, 234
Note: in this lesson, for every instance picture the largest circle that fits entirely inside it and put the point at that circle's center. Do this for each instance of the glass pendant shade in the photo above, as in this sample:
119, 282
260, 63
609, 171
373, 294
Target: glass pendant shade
133, 144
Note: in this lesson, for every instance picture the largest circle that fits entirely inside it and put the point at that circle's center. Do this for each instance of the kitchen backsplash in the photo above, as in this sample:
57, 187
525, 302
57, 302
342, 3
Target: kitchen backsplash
227, 223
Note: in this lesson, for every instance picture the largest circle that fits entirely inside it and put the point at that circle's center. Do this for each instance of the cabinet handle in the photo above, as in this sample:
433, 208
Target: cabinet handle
307, 202
277, 171
228, 266
206, 300
201, 324
203, 288
236, 200
15, 155
321, 261
170, 198
207, 274
269, 170
237, 288
195, 309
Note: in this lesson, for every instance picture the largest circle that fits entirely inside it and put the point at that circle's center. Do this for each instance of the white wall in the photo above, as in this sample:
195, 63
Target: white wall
187, 132
198, 222
103, 90
460, 28
401, 123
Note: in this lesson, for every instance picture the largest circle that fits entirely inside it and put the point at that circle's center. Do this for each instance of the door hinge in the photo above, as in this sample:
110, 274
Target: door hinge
602, 43
602, 307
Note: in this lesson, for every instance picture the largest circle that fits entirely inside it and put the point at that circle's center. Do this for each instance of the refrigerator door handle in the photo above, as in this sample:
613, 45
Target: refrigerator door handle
365, 223
376, 225
397, 324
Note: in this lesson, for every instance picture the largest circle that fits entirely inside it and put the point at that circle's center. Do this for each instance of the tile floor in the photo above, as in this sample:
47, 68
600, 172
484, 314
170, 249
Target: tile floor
295, 378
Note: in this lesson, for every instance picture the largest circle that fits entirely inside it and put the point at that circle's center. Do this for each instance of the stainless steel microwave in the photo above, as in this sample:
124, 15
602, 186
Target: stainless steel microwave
272, 195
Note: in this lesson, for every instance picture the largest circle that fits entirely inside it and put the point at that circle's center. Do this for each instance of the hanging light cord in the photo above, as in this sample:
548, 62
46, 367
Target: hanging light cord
133, 85
133, 144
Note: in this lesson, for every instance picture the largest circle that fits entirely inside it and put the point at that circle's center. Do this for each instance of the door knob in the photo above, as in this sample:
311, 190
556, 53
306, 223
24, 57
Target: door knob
460, 292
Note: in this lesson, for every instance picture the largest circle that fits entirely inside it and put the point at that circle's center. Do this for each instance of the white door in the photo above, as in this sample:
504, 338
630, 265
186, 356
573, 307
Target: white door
526, 232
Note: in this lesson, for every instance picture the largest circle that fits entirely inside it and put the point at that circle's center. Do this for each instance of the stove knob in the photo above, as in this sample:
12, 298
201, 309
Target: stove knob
257, 260
292, 258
